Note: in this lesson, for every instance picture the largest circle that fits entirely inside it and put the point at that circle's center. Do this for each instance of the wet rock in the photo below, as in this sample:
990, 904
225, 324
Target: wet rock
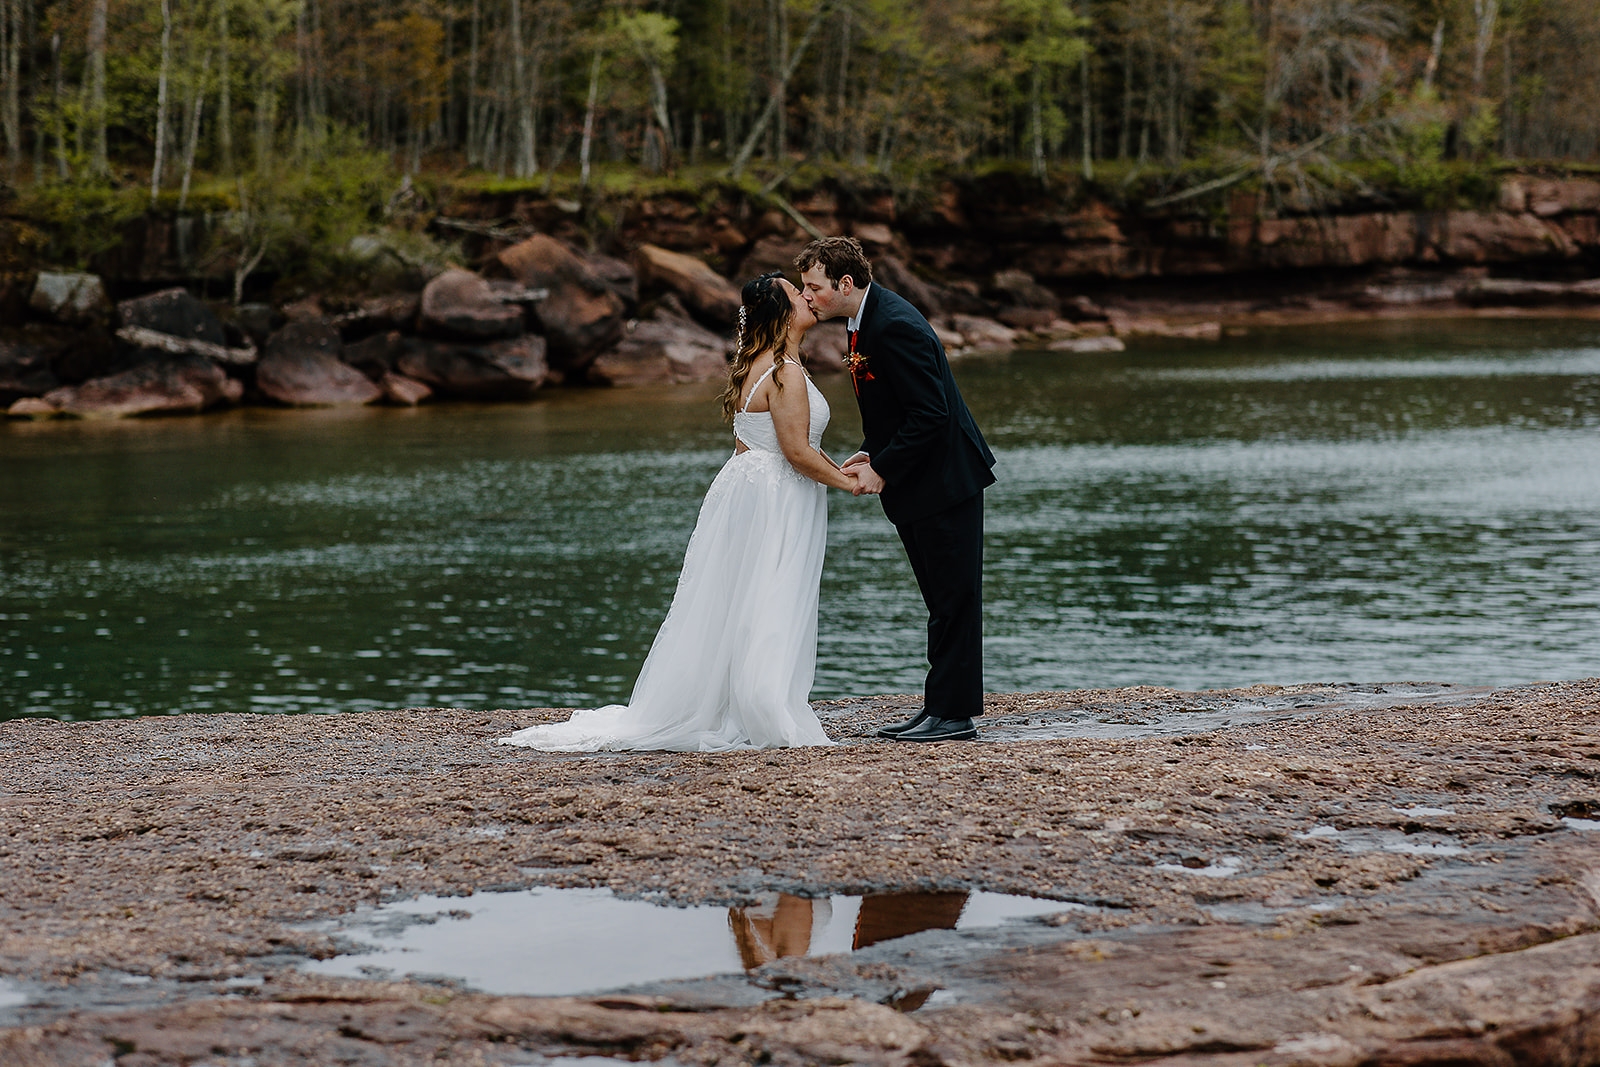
165, 386
1103, 343
460, 304
706, 293
667, 347
508, 369
301, 367
24, 371
403, 391
175, 312
32, 407
1507, 292
581, 315
71, 299
983, 334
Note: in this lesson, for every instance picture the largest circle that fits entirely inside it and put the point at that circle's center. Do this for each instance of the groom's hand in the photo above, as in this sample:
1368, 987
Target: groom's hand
867, 479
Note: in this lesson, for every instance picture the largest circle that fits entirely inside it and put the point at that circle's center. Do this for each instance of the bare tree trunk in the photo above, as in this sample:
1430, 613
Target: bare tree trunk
161, 99
781, 118
474, 118
742, 159
196, 106
224, 92
588, 121
60, 104
1086, 117
526, 160
98, 164
1485, 14
10, 75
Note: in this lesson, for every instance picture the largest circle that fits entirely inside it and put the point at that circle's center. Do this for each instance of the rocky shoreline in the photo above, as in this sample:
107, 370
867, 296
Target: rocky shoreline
547, 302
1343, 875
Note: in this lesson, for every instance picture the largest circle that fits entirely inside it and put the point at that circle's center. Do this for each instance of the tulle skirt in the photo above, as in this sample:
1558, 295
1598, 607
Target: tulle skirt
733, 663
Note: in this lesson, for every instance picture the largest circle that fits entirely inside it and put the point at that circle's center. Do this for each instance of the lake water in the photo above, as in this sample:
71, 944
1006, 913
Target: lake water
1368, 502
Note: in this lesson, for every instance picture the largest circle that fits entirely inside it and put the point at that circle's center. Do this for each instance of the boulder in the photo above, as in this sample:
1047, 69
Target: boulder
666, 348
893, 273
175, 312
581, 315
32, 407
380, 314
406, 392
1088, 344
460, 304
168, 385
1019, 289
770, 253
507, 369
619, 275
706, 293
301, 367
257, 321
24, 371
70, 299
824, 347
983, 334
377, 355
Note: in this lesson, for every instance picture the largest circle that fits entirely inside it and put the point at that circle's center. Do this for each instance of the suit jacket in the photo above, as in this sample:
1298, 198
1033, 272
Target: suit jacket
917, 429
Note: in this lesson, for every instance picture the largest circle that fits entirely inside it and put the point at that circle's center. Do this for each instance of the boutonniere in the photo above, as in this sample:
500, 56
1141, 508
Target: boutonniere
855, 361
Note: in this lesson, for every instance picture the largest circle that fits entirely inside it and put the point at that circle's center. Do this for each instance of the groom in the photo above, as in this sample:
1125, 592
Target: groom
924, 457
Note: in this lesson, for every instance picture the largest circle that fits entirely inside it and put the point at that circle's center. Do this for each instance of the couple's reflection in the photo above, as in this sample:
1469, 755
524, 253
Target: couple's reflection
782, 924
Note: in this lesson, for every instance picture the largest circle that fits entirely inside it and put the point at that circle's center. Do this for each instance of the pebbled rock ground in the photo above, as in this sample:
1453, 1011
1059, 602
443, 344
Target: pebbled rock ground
1319, 874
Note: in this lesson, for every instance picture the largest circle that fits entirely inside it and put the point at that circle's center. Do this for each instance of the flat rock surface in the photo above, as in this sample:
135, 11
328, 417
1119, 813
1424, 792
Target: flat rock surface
1317, 874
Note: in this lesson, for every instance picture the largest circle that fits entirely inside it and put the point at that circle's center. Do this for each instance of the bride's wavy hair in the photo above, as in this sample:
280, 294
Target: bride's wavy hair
764, 314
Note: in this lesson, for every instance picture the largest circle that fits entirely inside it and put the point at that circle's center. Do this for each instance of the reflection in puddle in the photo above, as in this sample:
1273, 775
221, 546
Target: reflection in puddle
553, 942
11, 996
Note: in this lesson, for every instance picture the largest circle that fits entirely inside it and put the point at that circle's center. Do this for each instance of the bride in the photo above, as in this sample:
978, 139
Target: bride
733, 662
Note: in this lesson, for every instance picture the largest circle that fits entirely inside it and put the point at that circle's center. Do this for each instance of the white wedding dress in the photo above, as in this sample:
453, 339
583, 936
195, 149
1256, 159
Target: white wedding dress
733, 662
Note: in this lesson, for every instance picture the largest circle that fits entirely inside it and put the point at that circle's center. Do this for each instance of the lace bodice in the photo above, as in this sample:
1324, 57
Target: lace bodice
756, 430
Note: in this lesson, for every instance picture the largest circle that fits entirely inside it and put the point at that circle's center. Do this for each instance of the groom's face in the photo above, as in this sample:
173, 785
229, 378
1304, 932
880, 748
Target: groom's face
827, 300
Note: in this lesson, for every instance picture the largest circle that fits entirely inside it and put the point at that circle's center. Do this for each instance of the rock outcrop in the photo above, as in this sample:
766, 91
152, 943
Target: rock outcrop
301, 368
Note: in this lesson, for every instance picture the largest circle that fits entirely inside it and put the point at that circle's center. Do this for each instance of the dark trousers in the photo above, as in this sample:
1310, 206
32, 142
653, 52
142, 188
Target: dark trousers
946, 554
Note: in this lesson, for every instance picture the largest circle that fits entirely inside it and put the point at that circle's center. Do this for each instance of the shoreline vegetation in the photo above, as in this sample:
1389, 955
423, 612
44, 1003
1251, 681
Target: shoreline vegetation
498, 295
1390, 874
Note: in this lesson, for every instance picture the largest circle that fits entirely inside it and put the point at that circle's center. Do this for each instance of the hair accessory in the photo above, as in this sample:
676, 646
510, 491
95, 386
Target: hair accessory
738, 336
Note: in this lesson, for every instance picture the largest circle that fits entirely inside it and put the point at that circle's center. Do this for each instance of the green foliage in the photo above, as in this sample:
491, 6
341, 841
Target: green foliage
83, 218
297, 213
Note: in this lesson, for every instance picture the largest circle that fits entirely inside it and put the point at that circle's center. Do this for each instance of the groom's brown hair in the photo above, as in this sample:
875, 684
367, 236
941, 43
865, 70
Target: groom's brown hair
839, 256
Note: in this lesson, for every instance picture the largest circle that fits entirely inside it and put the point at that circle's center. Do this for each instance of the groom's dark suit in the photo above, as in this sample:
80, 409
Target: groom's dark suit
923, 442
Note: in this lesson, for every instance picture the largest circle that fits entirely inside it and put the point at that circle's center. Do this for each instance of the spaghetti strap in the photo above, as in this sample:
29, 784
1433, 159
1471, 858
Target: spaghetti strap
745, 407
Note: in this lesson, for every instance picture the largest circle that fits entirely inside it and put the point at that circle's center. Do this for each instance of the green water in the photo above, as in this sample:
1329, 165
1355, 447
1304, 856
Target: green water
1370, 502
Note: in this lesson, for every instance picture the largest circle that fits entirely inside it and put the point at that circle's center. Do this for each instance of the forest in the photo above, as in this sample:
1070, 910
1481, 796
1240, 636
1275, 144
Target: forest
240, 104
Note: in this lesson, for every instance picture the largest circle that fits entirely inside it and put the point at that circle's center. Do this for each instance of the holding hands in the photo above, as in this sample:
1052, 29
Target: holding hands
867, 480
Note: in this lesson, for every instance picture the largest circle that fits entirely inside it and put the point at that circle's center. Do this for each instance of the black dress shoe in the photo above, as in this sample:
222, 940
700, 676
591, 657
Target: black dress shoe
901, 727
931, 729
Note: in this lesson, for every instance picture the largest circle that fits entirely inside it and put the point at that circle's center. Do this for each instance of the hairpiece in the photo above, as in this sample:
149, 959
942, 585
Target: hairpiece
738, 336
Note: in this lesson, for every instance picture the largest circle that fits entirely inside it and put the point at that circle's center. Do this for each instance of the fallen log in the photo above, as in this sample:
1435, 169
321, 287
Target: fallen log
144, 337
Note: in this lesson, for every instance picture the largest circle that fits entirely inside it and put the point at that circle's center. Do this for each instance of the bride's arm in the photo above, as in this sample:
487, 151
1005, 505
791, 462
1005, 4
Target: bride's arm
791, 418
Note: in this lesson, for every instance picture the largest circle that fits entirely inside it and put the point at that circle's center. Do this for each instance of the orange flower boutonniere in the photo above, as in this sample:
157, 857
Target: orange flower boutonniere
855, 361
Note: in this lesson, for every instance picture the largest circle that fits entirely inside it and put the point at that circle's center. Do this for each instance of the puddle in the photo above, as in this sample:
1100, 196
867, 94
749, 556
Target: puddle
1205, 714
1226, 867
1572, 823
11, 996
1416, 844
557, 942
